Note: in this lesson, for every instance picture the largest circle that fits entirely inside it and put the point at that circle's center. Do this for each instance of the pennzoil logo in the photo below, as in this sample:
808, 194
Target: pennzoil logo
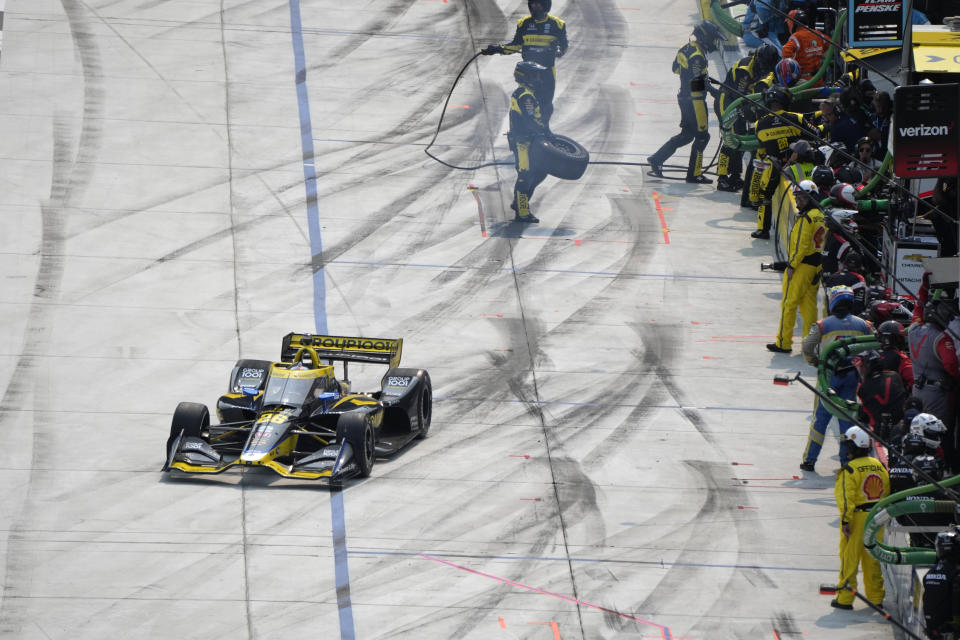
877, 6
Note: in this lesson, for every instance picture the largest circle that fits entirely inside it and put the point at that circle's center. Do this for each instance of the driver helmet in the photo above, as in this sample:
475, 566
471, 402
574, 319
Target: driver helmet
787, 72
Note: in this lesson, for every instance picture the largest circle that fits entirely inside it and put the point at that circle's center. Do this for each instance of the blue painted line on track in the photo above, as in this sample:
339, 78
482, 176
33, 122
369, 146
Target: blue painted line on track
337, 514
657, 563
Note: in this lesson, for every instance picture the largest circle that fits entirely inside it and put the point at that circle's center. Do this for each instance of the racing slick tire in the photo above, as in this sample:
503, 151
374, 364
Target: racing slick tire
424, 407
191, 418
560, 156
356, 429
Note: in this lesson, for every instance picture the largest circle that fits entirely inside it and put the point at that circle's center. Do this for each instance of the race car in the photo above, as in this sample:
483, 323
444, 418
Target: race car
298, 419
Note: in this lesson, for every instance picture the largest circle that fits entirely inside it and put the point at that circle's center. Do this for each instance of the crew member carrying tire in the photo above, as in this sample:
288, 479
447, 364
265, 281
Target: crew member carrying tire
741, 80
526, 124
540, 38
691, 65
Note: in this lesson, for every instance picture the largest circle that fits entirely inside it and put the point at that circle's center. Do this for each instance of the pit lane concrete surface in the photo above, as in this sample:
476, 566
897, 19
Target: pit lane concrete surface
184, 182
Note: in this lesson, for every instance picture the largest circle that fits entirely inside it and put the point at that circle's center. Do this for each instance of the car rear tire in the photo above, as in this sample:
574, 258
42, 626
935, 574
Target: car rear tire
192, 418
357, 430
260, 365
424, 406
561, 157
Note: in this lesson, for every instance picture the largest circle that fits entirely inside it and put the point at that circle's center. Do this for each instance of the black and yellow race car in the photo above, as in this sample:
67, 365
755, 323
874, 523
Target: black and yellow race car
298, 419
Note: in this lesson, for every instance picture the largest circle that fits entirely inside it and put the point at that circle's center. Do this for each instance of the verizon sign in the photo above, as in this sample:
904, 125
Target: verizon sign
925, 135
874, 23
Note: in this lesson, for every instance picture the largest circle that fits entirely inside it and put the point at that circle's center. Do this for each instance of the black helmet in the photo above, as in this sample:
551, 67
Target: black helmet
850, 175
767, 57
929, 465
913, 445
890, 334
940, 312
542, 12
852, 261
776, 95
823, 178
947, 545
708, 35
529, 74
869, 364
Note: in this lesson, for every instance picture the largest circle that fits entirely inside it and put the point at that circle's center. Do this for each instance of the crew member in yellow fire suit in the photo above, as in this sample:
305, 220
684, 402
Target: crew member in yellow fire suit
859, 485
691, 65
541, 38
526, 124
807, 237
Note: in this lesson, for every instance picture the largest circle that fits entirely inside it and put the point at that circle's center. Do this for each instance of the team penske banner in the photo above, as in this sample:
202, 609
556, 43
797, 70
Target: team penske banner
876, 23
925, 135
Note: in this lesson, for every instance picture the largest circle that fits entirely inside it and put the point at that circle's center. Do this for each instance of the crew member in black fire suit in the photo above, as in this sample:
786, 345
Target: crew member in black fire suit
691, 65
882, 393
941, 588
776, 132
741, 80
526, 124
539, 38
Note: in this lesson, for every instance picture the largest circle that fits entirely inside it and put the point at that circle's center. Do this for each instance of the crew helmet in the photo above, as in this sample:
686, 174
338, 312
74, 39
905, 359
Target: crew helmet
708, 35
541, 12
890, 334
823, 177
858, 437
929, 465
529, 74
852, 261
947, 545
869, 363
939, 313
776, 95
928, 425
844, 195
767, 56
796, 18
838, 294
850, 175
787, 72
807, 188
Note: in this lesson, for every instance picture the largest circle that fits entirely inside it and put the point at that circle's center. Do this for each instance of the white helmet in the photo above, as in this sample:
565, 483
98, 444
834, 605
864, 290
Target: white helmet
927, 424
858, 437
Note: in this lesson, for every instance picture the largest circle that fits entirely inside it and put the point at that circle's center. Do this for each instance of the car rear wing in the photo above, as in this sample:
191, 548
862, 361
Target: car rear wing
345, 349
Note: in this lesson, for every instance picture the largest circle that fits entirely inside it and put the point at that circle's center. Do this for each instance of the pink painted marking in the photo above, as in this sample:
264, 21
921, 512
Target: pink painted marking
664, 631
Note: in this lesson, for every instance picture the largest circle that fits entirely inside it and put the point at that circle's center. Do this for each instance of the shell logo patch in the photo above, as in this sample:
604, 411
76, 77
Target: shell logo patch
873, 487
